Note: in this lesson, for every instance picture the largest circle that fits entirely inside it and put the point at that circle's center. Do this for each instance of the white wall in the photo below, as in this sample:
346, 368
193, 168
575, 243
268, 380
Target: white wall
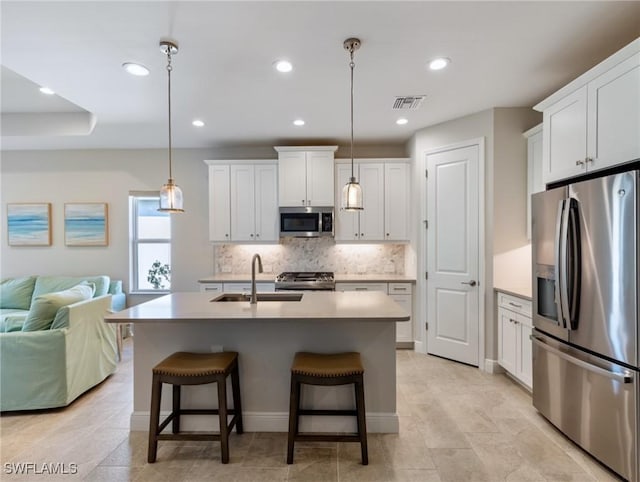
104, 175
469, 127
505, 197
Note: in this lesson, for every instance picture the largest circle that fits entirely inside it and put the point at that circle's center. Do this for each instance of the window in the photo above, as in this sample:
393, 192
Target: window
150, 244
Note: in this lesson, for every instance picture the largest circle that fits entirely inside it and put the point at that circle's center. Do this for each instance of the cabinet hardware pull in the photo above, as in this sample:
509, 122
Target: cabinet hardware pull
515, 304
303, 203
361, 234
579, 163
361, 289
251, 235
588, 159
387, 234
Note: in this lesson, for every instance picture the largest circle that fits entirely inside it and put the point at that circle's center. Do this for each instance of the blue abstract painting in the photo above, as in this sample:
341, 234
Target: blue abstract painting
29, 224
85, 224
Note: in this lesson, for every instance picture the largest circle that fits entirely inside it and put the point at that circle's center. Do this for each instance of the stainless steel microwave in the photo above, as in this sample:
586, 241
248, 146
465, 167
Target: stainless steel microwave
306, 222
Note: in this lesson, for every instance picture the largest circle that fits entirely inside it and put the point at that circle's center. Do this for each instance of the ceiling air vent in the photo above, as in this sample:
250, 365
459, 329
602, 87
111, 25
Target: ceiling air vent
408, 102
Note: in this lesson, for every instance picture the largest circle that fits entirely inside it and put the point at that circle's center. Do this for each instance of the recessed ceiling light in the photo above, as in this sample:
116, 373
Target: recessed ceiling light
46, 90
283, 66
439, 63
198, 123
135, 69
402, 121
298, 122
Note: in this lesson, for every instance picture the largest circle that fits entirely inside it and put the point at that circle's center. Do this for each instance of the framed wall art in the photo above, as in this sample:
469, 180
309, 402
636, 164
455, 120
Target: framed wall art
29, 224
86, 224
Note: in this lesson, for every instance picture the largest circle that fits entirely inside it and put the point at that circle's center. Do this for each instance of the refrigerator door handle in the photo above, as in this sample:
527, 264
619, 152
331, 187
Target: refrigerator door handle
560, 267
619, 377
573, 282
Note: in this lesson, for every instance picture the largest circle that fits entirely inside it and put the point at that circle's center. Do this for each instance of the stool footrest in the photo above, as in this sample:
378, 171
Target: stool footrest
189, 436
327, 412
317, 437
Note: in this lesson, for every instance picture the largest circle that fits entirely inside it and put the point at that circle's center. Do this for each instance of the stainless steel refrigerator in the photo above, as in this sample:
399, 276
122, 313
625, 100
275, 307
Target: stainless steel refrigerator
585, 315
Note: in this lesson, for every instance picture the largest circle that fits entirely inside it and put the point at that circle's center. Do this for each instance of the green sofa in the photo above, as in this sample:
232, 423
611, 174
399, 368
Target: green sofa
54, 343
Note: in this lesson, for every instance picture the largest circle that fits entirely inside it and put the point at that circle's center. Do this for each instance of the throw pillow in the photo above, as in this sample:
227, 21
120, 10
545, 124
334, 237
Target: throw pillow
49, 284
44, 307
16, 292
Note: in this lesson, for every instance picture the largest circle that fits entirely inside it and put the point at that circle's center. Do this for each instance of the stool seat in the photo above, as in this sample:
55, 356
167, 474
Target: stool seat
327, 369
187, 364
327, 365
186, 368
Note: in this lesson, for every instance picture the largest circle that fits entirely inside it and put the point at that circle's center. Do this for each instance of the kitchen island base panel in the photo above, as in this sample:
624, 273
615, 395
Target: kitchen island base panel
266, 350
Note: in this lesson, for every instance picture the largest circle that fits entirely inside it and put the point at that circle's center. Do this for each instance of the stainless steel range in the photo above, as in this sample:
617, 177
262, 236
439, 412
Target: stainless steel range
301, 280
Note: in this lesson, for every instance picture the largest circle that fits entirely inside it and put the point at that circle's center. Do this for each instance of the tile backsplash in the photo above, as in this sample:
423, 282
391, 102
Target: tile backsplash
311, 254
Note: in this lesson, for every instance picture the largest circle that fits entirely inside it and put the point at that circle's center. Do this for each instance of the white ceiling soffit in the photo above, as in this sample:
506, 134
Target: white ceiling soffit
28, 112
503, 54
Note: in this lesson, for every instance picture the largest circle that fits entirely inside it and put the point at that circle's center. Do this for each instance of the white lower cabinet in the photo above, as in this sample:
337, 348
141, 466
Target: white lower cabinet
401, 293
261, 287
242, 287
514, 344
211, 287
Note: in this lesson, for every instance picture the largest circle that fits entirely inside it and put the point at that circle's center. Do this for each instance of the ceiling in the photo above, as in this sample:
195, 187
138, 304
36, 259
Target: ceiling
504, 54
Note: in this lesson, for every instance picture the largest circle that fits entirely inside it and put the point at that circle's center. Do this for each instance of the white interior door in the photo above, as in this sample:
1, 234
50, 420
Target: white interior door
452, 254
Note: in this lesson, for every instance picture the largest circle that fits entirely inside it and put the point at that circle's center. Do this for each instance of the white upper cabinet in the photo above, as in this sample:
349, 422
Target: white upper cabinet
614, 115
396, 201
243, 201
306, 176
565, 137
385, 199
372, 216
534, 168
593, 122
219, 203
266, 196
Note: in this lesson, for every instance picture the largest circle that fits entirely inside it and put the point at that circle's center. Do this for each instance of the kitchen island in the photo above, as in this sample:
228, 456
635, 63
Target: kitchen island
266, 336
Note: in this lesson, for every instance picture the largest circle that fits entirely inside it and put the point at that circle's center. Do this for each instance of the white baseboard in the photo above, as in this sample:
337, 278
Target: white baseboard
276, 422
492, 366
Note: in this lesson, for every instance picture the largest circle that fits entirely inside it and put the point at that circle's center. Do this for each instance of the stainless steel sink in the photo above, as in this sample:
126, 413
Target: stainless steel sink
261, 297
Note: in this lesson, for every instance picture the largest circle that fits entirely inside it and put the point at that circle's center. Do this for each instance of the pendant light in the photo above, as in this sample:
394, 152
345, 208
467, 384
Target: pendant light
352, 192
170, 193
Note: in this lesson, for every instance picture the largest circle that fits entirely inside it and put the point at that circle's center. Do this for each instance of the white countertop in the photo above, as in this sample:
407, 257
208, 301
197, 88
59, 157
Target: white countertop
521, 291
314, 306
340, 278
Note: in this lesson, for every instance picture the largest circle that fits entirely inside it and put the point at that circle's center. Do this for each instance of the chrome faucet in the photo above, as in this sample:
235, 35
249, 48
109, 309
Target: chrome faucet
254, 296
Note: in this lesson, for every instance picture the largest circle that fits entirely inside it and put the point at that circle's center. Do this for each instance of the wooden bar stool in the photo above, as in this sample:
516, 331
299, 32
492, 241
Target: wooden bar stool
328, 370
184, 368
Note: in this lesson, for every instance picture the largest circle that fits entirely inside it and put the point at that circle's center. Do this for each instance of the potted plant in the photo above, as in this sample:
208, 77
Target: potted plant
158, 274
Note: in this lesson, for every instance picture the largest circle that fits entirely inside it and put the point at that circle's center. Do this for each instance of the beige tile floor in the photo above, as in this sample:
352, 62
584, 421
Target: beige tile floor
457, 424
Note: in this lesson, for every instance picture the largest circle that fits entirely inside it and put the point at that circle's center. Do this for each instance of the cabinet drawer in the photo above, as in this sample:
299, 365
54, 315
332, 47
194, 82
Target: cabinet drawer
211, 287
246, 287
400, 288
362, 287
513, 303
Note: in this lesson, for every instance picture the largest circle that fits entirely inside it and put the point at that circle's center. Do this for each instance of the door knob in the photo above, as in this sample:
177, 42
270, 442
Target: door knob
470, 283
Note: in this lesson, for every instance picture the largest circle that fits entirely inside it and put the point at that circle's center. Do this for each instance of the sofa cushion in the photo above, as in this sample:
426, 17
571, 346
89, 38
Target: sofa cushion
50, 284
17, 292
44, 307
12, 322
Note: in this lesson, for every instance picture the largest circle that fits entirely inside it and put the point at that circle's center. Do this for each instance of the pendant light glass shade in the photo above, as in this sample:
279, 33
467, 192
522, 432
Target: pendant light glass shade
170, 193
352, 196
352, 192
171, 198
